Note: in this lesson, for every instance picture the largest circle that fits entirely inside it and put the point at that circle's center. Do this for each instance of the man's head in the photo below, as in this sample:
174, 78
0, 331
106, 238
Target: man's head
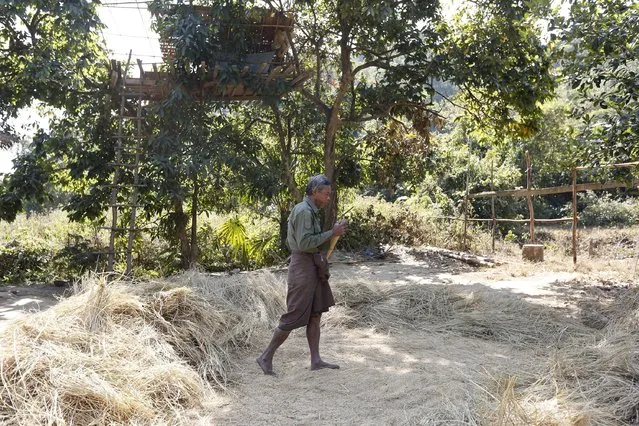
319, 190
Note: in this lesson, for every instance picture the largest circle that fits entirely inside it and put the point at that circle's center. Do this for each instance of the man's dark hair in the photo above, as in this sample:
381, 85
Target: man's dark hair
317, 183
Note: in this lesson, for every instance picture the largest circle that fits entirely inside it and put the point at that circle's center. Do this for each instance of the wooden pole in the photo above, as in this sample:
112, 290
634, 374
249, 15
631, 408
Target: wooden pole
564, 189
492, 203
529, 197
466, 200
616, 166
116, 173
574, 216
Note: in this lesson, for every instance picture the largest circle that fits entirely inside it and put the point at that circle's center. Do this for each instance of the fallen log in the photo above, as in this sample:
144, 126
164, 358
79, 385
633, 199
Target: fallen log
469, 258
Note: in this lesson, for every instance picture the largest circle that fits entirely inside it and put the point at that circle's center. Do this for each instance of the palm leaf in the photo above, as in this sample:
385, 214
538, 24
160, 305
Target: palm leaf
233, 233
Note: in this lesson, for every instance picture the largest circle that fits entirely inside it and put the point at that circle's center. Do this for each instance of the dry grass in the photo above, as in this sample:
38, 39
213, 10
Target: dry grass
592, 381
362, 304
93, 359
610, 254
220, 317
484, 314
590, 376
149, 352
130, 353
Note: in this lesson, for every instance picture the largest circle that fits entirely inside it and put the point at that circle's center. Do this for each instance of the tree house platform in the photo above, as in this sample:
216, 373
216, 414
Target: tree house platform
251, 59
224, 82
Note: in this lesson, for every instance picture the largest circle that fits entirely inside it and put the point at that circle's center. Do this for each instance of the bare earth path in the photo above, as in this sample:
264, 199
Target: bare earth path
384, 379
15, 301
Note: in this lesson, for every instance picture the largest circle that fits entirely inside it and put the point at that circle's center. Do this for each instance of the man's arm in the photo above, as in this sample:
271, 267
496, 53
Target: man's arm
305, 232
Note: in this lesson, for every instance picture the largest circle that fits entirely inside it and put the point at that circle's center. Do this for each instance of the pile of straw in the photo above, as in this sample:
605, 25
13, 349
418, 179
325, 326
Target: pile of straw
592, 381
131, 353
148, 353
592, 372
390, 308
483, 314
93, 359
499, 316
211, 319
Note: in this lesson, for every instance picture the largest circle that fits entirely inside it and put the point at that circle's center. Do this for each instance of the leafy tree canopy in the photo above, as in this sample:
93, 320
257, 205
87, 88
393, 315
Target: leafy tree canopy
501, 66
50, 51
598, 50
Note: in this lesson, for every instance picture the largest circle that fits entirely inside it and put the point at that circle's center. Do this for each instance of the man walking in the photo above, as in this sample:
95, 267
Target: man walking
309, 293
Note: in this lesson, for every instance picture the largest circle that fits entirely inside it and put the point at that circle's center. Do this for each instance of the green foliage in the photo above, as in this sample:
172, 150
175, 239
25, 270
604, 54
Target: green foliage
231, 245
367, 118
396, 155
219, 35
556, 148
50, 51
20, 262
510, 237
598, 54
499, 61
604, 210
434, 196
232, 234
373, 222
45, 248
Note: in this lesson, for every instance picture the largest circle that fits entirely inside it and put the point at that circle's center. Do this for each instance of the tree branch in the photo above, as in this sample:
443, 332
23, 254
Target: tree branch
379, 62
316, 100
386, 111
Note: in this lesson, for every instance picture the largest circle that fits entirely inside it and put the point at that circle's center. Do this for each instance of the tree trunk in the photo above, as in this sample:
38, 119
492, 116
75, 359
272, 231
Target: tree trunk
194, 252
283, 223
287, 174
333, 123
330, 211
181, 219
284, 138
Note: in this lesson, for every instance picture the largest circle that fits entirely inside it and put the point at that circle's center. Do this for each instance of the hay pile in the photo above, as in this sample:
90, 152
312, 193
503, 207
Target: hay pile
484, 314
595, 382
225, 318
384, 308
130, 353
591, 375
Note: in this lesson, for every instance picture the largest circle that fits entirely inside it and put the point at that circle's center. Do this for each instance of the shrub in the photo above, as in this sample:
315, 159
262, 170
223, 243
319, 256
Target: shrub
45, 248
374, 223
232, 244
607, 211
23, 263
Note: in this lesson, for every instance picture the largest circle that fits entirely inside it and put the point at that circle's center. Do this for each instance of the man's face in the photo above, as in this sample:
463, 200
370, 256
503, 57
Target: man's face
322, 197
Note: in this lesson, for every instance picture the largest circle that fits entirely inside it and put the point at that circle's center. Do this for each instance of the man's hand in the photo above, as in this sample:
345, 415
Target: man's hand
340, 227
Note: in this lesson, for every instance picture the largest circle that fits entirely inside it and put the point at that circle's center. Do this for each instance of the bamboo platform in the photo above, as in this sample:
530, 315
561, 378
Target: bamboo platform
214, 86
267, 68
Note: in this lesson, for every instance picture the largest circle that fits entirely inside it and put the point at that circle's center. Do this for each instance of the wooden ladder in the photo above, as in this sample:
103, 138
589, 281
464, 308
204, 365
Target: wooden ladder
126, 178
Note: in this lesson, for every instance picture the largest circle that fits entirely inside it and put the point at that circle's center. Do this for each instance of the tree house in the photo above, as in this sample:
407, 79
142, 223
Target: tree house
262, 67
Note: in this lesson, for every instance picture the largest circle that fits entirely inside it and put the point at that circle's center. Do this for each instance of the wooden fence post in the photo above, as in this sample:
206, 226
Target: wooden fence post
492, 202
529, 197
464, 248
574, 216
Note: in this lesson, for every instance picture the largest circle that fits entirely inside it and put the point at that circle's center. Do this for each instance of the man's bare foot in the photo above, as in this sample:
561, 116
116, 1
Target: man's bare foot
266, 366
322, 364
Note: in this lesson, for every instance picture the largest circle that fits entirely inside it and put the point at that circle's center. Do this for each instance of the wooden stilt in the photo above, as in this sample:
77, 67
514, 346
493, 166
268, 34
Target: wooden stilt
574, 217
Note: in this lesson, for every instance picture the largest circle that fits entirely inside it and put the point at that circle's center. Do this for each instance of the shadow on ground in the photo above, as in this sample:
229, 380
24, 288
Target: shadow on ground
15, 301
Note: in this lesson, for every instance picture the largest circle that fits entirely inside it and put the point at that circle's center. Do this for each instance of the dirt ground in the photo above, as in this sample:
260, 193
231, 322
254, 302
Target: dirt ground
405, 377
17, 301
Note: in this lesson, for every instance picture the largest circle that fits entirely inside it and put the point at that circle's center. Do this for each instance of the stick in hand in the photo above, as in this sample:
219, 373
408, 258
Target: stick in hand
334, 238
